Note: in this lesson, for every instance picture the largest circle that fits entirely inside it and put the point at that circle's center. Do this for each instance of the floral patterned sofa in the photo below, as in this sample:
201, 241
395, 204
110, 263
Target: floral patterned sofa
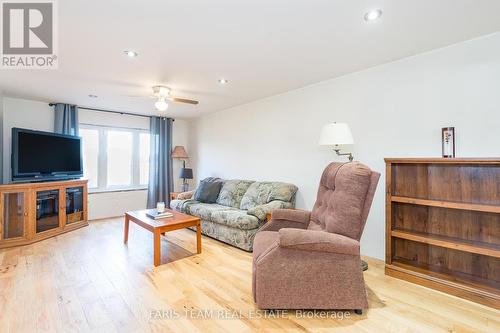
240, 209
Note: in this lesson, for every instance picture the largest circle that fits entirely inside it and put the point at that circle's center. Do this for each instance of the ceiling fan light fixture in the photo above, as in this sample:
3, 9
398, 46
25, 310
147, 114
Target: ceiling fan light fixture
161, 91
161, 104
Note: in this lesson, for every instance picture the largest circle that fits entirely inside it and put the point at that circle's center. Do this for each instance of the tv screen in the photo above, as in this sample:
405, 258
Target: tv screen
43, 155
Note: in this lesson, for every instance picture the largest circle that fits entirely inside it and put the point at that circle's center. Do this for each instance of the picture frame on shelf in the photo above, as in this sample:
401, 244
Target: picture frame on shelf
448, 142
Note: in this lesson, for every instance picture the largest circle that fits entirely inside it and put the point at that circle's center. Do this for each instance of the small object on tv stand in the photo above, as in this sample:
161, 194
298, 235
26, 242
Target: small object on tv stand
448, 142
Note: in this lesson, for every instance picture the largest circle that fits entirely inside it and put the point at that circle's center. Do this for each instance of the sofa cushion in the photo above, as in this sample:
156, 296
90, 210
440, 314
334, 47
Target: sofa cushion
204, 210
282, 191
235, 218
232, 191
260, 193
208, 191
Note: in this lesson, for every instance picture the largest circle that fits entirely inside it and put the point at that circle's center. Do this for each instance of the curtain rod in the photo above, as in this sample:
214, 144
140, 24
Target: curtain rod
117, 112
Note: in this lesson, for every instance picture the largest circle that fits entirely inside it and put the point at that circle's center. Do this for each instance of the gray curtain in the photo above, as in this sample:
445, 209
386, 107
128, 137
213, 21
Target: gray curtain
66, 119
160, 162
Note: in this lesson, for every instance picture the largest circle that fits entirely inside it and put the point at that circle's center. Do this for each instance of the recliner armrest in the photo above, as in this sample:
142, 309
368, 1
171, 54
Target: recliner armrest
321, 241
295, 215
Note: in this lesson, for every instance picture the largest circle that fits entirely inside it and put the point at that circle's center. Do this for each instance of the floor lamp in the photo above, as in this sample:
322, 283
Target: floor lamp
336, 135
185, 173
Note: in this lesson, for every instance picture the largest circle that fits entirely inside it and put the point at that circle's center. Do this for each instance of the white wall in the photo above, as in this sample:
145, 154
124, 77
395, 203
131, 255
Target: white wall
39, 116
110, 204
394, 110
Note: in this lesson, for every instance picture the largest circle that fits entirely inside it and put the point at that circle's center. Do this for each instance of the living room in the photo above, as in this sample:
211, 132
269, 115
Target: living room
284, 166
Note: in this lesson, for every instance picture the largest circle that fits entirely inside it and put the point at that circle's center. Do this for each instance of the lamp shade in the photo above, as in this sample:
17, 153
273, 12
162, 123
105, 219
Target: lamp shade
186, 173
179, 152
336, 134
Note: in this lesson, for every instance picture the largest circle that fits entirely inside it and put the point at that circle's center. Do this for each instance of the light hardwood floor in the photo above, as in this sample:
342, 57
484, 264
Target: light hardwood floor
88, 280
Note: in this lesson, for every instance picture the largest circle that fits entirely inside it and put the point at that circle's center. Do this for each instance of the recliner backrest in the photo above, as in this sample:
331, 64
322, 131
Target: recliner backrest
344, 199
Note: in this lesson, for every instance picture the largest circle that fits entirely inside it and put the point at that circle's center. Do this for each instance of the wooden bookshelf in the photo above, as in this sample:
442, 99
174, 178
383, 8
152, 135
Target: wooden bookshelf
443, 225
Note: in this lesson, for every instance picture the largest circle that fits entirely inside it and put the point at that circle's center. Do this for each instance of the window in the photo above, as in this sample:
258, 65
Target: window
90, 138
119, 158
115, 158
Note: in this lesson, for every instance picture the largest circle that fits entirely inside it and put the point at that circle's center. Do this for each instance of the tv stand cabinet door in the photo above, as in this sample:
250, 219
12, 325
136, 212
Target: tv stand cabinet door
47, 210
14, 217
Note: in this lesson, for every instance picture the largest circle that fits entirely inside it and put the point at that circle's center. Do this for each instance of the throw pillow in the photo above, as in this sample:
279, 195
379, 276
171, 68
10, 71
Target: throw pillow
208, 191
209, 180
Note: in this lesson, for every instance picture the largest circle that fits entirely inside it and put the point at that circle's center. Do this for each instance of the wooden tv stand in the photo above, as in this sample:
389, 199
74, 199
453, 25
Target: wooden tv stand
31, 212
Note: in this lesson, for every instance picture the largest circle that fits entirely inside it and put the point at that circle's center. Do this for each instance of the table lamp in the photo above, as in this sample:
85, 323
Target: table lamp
185, 173
336, 135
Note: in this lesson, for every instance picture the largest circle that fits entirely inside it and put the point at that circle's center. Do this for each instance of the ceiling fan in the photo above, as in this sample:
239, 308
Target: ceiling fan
162, 95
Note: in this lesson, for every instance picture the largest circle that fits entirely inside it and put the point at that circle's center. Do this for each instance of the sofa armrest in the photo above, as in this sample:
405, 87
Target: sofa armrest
261, 211
181, 205
185, 195
321, 241
287, 218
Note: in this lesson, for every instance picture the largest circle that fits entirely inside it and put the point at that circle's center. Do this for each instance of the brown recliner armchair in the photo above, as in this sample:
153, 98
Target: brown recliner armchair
311, 260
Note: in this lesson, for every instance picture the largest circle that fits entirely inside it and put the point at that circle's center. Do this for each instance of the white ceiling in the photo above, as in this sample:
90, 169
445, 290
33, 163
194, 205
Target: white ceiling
263, 47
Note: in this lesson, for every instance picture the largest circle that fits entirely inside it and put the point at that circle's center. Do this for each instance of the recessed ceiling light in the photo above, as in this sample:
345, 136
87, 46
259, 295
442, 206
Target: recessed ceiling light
92, 96
223, 81
130, 53
373, 15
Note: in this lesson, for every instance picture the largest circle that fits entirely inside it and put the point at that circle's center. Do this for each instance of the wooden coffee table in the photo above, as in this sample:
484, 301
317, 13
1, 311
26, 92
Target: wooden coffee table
160, 226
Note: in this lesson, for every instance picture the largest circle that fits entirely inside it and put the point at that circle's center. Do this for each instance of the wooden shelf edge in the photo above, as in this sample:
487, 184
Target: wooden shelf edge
447, 242
447, 204
441, 160
14, 187
454, 288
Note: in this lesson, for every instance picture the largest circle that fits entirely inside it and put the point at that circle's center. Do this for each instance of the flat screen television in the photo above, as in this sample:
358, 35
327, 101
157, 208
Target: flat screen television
45, 156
